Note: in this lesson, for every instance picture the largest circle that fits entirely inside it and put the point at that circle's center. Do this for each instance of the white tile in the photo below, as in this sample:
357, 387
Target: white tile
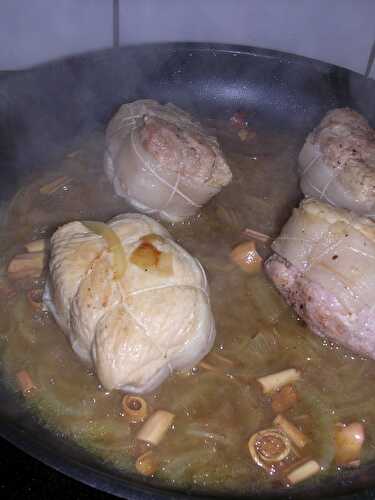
336, 31
36, 31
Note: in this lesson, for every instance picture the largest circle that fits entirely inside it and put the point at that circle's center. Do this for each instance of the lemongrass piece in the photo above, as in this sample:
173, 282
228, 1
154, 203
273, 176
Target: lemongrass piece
275, 381
221, 358
28, 265
55, 185
147, 464
246, 257
269, 446
37, 245
135, 408
256, 235
114, 245
284, 399
155, 427
348, 444
294, 434
209, 367
25, 382
303, 472
238, 379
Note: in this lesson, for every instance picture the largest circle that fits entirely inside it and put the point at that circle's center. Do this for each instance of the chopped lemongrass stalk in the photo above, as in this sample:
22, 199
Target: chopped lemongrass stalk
209, 367
135, 408
37, 246
147, 464
114, 245
255, 235
246, 257
238, 379
27, 265
154, 429
284, 399
303, 472
349, 440
221, 358
275, 381
294, 434
25, 382
55, 185
269, 446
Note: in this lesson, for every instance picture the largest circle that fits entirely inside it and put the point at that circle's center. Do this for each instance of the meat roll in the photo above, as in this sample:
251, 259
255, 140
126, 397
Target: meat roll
161, 161
324, 266
132, 302
337, 162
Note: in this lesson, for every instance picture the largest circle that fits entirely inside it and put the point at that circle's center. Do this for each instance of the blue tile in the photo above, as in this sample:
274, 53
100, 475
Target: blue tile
33, 32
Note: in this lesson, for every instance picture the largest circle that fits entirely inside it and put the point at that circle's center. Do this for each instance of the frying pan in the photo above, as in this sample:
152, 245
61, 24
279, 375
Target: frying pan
45, 109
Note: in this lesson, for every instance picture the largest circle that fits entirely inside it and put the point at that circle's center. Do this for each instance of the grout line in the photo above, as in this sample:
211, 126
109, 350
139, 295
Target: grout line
371, 60
116, 23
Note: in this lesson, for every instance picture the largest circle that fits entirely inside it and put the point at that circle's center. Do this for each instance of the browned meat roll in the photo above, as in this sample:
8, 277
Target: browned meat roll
324, 266
161, 161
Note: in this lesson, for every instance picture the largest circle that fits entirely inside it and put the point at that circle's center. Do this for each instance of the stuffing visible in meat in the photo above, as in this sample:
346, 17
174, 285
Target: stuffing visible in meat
161, 161
324, 266
337, 162
136, 327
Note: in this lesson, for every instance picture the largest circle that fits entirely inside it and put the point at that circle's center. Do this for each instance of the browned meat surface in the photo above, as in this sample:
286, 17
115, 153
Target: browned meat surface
324, 267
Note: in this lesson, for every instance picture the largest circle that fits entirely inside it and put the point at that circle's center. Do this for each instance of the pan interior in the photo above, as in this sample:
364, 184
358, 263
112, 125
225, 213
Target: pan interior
266, 185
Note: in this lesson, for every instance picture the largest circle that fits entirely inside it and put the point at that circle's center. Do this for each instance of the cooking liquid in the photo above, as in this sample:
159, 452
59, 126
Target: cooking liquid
216, 410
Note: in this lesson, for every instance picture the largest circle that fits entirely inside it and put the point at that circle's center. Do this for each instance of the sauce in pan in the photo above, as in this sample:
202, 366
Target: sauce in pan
219, 405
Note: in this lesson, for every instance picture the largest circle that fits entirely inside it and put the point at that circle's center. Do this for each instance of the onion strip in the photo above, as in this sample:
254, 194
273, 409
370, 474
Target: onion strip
114, 245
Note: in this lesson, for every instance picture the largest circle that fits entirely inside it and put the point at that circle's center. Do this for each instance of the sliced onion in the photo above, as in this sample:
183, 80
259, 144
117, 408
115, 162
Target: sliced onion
114, 245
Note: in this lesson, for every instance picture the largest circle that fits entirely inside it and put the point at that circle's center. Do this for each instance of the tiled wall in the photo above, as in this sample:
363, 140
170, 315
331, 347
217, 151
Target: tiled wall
337, 31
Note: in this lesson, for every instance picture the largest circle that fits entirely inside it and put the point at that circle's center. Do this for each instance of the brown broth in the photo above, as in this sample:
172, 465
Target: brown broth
216, 411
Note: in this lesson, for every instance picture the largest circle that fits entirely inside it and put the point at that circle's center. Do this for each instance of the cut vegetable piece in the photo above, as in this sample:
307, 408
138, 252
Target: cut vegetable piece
284, 399
147, 464
303, 472
37, 245
25, 382
155, 428
256, 235
269, 447
27, 265
135, 408
349, 440
246, 257
295, 435
275, 381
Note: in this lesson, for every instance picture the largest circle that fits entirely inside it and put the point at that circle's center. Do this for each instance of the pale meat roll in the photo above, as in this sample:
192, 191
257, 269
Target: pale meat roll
161, 161
324, 266
137, 328
337, 162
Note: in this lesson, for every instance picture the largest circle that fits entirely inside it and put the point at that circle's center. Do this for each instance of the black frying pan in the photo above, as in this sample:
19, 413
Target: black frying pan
44, 110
